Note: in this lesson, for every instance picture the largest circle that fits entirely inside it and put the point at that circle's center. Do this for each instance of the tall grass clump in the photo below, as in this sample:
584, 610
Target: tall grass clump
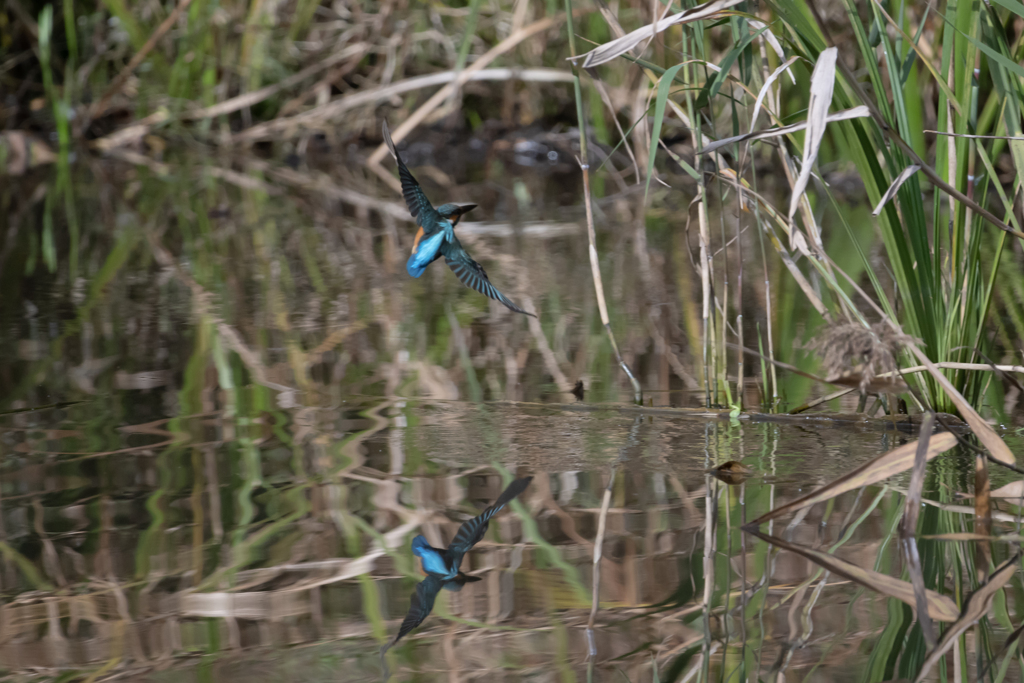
942, 289
925, 103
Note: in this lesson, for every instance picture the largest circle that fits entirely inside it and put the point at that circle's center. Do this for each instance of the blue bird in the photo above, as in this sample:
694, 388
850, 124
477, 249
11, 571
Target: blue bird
436, 235
442, 565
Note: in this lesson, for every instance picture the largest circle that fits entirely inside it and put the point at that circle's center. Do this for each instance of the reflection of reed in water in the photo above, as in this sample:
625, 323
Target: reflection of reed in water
126, 555
212, 509
223, 535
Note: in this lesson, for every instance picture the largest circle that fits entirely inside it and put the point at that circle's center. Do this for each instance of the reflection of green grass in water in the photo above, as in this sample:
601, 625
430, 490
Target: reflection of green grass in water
533, 535
152, 539
98, 288
28, 569
371, 607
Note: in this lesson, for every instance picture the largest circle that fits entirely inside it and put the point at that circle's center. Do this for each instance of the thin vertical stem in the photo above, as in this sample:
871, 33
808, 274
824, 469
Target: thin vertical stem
710, 365
772, 103
595, 266
595, 599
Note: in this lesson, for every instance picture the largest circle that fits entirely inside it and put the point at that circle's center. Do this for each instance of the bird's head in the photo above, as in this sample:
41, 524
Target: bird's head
453, 212
420, 547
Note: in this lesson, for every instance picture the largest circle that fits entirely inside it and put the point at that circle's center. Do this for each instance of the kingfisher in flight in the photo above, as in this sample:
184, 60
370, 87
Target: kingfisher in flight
442, 565
436, 235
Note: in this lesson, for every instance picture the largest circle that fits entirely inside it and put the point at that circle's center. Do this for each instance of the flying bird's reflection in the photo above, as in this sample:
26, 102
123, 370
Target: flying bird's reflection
442, 565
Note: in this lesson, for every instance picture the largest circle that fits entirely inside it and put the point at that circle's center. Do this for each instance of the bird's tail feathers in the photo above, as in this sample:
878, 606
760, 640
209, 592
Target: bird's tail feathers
460, 580
385, 674
390, 143
513, 490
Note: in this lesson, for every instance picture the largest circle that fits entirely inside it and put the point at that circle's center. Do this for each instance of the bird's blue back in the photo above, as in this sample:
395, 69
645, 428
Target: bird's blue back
434, 560
426, 251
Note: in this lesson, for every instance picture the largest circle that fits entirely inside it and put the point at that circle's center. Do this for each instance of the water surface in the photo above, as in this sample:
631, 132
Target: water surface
227, 412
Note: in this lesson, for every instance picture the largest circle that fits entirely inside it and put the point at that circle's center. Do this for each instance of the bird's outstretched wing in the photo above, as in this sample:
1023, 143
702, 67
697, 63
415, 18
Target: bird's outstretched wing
472, 274
419, 206
420, 606
471, 532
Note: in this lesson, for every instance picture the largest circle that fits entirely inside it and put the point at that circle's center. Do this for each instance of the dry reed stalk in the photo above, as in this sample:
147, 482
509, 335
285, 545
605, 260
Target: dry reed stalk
779, 131
595, 266
661, 346
876, 470
982, 516
633, 40
255, 97
606, 98
739, 308
138, 129
602, 523
546, 354
322, 115
908, 528
936, 606
333, 76
947, 365
460, 79
122, 77
730, 177
157, 167
913, 562
975, 607
768, 332
710, 376
710, 551
818, 401
131, 133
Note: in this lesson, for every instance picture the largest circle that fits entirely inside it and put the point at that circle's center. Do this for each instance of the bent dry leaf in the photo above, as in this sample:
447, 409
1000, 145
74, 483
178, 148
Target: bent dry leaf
974, 609
770, 38
969, 536
768, 84
621, 46
1014, 489
940, 607
891, 192
882, 467
913, 503
822, 83
989, 439
913, 562
854, 113
908, 527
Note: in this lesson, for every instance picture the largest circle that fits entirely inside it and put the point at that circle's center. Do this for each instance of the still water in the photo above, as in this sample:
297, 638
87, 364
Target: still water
226, 412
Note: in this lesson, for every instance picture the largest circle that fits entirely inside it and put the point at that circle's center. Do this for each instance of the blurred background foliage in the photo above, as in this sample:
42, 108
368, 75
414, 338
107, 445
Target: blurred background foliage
285, 95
